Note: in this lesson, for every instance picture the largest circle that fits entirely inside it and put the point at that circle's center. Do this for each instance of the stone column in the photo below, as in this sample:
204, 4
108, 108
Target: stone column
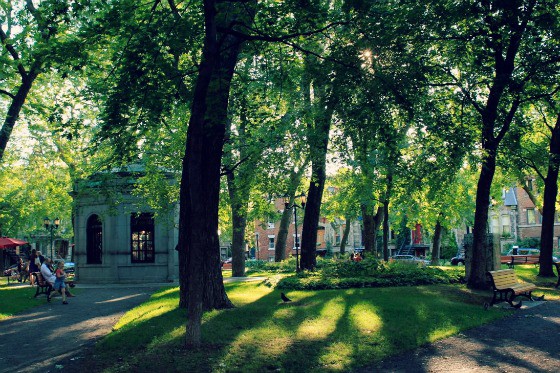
492, 251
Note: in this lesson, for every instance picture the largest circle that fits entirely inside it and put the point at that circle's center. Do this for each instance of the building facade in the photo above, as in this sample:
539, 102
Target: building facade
118, 238
518, 218
329, 235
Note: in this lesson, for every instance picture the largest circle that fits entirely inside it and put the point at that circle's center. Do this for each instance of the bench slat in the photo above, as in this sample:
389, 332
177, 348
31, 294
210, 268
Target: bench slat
506, 285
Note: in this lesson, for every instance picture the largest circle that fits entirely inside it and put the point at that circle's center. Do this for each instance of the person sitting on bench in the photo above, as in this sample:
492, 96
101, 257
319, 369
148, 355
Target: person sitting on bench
49, 276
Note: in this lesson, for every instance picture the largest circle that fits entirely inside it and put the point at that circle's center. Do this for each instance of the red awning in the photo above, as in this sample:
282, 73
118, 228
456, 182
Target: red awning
10, 242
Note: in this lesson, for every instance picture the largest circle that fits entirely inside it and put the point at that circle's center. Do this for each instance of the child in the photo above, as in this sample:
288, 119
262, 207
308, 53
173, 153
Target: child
59, 282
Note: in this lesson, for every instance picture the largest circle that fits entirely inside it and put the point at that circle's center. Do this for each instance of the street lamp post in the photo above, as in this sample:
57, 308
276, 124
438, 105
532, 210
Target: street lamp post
51, 226
295, 206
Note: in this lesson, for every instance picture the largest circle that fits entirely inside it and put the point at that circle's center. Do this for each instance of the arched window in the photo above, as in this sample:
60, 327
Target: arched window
94, 246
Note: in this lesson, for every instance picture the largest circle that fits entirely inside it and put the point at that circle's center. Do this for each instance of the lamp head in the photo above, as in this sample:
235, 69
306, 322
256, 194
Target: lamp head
303, 199
47, 222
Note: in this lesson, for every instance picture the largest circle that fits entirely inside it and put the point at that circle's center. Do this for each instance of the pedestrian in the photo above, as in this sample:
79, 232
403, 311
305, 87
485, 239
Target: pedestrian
41, 258
49, 276
59, 284
21, 270
33, 267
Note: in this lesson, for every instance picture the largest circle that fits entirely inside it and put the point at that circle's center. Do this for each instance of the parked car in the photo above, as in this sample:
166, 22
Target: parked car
458, 260
228, 262
524, 251
411, 259
68, 266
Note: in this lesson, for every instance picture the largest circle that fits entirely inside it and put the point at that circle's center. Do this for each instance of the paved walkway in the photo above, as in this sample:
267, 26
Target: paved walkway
44, 337
37, 339
527, 341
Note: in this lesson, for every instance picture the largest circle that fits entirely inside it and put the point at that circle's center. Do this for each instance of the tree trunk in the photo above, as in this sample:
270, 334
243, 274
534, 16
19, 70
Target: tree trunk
345, 235
239, 222
200, 181
476, 266
280, 248
316, 187
285, 221
549, 202
368, 234
371, 225
436, 244
386, 217
311, 219
378, 220
386, 231
239, 181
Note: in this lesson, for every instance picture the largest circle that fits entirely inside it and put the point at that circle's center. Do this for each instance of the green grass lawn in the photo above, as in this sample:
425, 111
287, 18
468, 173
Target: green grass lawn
16, 298
545, 285
329, 330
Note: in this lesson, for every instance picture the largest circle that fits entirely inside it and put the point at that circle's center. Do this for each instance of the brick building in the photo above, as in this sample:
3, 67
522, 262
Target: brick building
518, 218
329, 235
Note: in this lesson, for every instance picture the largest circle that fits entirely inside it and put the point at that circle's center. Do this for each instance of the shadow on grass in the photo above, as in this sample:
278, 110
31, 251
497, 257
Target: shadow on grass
329, 330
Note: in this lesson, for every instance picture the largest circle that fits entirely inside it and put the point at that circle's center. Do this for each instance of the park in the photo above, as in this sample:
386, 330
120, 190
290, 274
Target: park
296, 185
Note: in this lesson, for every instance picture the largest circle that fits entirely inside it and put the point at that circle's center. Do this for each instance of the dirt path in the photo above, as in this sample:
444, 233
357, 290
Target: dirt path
43, 338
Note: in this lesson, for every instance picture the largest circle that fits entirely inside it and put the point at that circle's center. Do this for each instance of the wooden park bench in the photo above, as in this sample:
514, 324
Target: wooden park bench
512, 260
506, 287
43, 287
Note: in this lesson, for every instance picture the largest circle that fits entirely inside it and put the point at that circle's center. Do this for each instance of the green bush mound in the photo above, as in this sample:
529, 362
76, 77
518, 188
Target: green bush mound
344, 274
257, 266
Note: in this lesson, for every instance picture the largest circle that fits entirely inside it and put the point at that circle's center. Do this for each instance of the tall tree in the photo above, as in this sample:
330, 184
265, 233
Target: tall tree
200, 182
541, 126
323, 105
550, 195
264, 135
502, 40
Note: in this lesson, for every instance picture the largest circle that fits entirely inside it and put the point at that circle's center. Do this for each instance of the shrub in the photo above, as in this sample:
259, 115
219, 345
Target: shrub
533, 242
285, 266
367, 273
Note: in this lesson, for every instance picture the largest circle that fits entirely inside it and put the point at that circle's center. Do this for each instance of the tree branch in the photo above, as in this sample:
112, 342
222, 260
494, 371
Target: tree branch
464, 91
229, 170
174, 9
509, 118
32, 9
260, 37
529, 162
10, 48
7, 94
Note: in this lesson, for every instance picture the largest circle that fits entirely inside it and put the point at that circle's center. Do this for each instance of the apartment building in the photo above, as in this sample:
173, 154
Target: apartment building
329, 235
518, 218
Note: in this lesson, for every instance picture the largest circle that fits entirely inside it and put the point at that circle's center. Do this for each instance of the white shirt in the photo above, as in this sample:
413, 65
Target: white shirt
47, 274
